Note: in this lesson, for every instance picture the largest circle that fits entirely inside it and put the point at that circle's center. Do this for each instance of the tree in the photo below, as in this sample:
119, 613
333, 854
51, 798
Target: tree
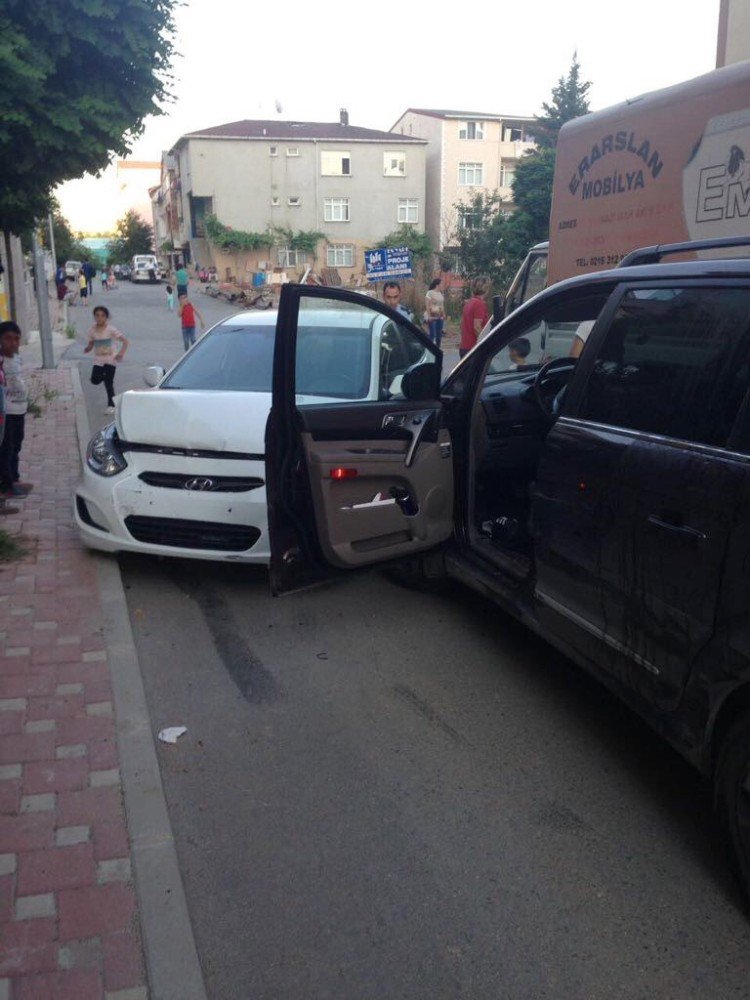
569, 100
479, 234
420, 244
132, 236
79, 79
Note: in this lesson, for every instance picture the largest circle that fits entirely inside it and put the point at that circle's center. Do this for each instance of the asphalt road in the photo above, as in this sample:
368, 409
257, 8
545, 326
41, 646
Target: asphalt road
389, 794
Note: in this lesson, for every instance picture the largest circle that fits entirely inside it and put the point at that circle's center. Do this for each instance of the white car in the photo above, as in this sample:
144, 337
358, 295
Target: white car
181, 471
145, 267
72, 268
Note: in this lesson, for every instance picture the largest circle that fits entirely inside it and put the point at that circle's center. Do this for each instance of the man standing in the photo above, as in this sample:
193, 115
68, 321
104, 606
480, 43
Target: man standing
392, 298
16, 404
475, 316
89, 271
181, 280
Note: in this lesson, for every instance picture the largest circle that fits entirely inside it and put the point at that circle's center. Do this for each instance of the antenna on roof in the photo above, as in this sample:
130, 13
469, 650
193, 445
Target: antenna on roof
343, 116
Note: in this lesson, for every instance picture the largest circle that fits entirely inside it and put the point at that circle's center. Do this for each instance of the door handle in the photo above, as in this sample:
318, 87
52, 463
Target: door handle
416, 426
683, 531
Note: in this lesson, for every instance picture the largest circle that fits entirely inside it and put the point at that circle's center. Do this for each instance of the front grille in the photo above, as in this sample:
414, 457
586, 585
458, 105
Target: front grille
181, 533
205, 484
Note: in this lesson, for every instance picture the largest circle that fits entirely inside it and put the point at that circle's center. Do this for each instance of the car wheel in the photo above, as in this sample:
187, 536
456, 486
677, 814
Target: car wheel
732, 787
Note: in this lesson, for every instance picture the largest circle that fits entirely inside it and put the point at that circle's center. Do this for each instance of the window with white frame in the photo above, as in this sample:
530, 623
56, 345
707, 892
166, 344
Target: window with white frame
512, 133
335, 163
340, 255
275, 201
294, 202
287, 257
273, 150
471, 130
470, 174
336, 210
507, 173
408, 210
292, 150
394, 164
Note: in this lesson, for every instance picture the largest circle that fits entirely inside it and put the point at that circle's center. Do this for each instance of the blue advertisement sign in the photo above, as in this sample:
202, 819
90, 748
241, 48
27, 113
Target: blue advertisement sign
388, 262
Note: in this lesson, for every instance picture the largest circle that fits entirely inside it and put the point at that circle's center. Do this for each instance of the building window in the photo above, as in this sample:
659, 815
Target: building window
470, 174
287, 257
507, 173
340, 255
394, 164
408, 210
294, 202
275, 202
469, 218
292, 150
471, 130
273, 150
336, 210
512, 134
335, 163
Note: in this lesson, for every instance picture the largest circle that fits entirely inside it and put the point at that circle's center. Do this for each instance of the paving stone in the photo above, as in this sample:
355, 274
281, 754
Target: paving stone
70, 984
65, 836
43, 802
113, 870
72, 750
138, 993
69, 689
35, 907
40, 726
97, 654
44, 626
8, 771
56, 868
100, 779
12, 704
99, 708
80, 954
8, 864
99, 909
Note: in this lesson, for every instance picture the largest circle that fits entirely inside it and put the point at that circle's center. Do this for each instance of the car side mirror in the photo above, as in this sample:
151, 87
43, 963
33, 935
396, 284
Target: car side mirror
422, 381
153, 375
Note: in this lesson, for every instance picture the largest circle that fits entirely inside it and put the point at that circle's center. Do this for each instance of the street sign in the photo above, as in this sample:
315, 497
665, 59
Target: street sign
388, 262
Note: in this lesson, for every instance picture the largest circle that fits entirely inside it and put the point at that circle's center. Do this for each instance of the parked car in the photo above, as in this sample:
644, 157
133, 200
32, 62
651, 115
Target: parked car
72, 268
603, 500
181, 470
145, 267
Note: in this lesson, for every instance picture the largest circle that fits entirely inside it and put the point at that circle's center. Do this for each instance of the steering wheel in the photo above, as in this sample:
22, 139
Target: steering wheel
549, 380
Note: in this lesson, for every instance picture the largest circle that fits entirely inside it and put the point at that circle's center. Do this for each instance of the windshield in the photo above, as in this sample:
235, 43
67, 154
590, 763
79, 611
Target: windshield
239, 358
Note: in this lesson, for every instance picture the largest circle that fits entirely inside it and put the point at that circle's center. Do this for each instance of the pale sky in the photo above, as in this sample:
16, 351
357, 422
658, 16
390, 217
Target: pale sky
239, 60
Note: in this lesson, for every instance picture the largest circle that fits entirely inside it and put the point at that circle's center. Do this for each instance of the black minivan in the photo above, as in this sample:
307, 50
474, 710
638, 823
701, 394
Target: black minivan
586, 466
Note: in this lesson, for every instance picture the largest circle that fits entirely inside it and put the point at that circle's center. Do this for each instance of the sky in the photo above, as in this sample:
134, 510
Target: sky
240, 60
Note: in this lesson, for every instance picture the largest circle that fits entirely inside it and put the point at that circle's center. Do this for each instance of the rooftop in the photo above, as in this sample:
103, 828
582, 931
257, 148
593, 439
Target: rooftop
468, 115
271, 129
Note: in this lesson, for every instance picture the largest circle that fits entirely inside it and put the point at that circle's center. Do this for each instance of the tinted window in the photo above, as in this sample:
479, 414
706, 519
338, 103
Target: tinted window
239, 358
674, 362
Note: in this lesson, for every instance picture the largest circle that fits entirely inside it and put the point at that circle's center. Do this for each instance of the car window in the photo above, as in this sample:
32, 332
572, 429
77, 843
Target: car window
551, 335
399, 350
674, 362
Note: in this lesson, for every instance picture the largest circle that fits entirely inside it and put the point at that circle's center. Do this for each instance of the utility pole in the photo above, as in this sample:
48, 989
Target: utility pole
42, 301
52, 242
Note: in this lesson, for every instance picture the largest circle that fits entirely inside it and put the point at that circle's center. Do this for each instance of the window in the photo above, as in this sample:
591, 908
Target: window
287, 257
408, 210
470, 174
336, 210
294, 202
471, 130
468, 218
394, 164
512, 134
292, 150
335, 163
507, 173
674, 362
340, 255
273, 150
275, 202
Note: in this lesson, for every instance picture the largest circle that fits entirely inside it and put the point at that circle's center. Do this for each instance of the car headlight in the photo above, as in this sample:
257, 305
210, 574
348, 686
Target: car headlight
103, 455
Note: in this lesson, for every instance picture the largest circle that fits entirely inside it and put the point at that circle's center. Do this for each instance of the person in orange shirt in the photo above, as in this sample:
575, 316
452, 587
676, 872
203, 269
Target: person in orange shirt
187, 313
474, 316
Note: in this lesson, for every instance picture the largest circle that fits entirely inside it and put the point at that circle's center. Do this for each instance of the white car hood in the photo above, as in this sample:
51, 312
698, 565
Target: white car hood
183, 418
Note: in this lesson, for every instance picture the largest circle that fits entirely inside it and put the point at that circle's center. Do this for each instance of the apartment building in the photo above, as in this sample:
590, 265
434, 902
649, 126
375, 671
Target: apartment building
467, 152
354, 185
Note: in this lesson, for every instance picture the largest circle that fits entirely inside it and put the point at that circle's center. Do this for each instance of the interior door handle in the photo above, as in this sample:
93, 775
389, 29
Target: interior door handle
683, 531
416, 426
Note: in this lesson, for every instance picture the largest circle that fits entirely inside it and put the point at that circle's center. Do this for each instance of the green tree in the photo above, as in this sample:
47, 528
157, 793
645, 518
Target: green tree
569, 100
79, 79
132, 236
420, 245
481, 229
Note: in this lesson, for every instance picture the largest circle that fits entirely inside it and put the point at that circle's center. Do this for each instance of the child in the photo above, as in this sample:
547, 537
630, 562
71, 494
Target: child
83, 287
187, 314
104, 279
16, 404
109, 347
170, 298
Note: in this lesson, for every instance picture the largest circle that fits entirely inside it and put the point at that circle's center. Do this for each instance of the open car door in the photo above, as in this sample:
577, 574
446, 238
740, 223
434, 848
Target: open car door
359, 468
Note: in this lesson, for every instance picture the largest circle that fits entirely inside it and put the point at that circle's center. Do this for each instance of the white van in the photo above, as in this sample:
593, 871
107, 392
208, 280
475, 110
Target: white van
145, 267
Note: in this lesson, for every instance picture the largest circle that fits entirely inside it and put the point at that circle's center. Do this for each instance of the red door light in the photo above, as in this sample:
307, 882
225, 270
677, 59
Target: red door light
340, 473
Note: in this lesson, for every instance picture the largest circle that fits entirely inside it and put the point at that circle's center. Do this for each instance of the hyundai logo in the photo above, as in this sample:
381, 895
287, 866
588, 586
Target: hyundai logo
199, 483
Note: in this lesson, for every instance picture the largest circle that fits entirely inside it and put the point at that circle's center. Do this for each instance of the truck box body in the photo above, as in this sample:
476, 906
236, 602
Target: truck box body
670, 166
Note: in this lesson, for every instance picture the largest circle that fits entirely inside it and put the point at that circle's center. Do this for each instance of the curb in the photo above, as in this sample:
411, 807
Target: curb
172, 963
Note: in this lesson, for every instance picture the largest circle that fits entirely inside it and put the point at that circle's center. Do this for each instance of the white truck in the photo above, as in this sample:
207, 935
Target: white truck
669, 166
145, 267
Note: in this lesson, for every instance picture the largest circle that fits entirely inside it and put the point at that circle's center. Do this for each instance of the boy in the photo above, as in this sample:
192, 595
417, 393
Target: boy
16, 404
187, 313
109, 347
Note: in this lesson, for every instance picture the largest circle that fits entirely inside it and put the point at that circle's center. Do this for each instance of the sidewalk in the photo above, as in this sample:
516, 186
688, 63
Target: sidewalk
75, 749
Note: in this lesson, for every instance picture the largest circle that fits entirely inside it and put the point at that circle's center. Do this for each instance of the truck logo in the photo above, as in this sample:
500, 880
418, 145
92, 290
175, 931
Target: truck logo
716, 181
619, 181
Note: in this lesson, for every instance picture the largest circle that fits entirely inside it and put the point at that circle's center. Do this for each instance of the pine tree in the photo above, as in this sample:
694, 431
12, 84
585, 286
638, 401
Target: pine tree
569, 100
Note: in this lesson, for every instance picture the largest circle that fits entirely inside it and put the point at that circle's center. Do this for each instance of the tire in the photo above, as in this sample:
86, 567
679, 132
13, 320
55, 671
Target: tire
732, 796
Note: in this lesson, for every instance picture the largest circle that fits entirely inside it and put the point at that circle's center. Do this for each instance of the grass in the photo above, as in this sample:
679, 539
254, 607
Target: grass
9, 547
70, 331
